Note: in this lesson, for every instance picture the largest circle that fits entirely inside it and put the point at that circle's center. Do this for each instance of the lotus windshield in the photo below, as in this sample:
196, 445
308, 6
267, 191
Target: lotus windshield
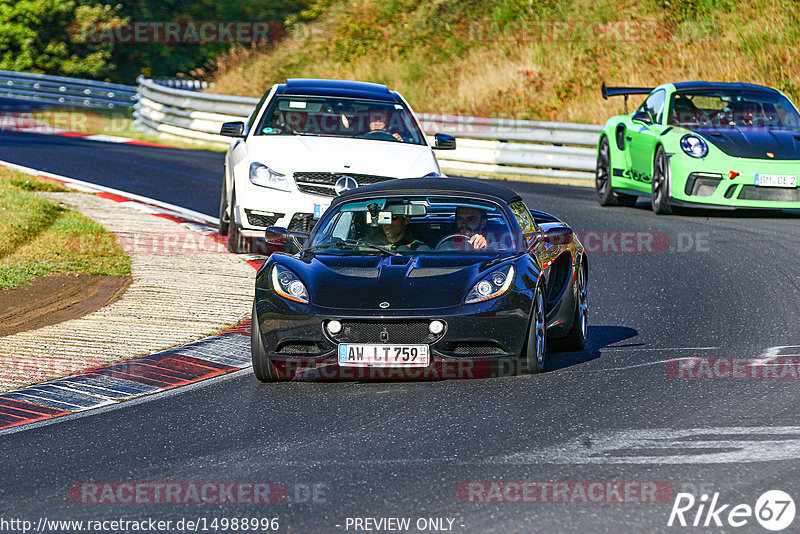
732, 108
340, 117
414, 225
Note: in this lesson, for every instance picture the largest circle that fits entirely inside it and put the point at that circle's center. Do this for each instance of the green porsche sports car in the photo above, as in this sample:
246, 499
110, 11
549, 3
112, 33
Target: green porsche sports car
710, 145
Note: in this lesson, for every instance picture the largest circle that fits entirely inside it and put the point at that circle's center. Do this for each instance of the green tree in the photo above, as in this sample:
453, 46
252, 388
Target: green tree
35, 36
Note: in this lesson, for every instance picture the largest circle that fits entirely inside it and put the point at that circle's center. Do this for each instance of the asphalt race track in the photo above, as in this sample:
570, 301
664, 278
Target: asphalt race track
705, 287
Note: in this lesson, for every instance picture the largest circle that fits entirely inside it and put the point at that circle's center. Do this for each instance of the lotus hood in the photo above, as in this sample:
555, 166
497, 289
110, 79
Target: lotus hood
404, 282
289, 153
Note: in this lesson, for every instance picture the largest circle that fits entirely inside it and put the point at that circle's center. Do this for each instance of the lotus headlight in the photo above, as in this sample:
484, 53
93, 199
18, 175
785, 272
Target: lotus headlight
694, 146
288, 285
263, 176
492, 286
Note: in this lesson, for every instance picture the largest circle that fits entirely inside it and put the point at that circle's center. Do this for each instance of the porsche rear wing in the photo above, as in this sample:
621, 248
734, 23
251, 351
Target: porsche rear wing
624, 91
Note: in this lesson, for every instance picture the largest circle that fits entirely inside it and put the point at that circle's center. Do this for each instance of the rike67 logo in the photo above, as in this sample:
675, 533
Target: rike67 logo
774, 510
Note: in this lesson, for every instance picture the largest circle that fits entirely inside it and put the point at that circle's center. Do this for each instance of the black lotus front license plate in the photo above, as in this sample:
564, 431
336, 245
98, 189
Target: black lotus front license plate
375, 355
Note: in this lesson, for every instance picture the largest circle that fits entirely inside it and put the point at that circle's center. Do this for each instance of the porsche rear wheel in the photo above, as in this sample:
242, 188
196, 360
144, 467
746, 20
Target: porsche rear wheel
659, 197
263, 368
605, 193
536, 346
602, 183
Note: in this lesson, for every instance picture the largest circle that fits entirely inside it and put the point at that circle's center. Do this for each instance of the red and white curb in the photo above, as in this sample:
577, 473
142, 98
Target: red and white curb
224, 353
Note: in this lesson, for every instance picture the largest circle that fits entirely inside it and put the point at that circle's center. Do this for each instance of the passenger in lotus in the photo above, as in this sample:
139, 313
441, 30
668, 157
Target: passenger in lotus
397, 236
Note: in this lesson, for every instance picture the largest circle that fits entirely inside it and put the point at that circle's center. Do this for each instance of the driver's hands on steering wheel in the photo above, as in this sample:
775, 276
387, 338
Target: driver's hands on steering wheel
477, 241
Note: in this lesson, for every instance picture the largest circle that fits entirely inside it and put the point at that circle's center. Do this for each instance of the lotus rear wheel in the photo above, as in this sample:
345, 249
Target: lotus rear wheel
576, 338
536, 346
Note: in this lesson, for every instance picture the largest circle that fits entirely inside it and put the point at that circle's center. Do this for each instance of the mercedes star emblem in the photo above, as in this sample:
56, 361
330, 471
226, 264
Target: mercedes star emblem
345, 183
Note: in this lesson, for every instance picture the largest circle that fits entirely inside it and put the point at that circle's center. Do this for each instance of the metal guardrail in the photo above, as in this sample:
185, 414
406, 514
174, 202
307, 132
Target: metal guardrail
173, 108
61, 91
552, 149
171, 112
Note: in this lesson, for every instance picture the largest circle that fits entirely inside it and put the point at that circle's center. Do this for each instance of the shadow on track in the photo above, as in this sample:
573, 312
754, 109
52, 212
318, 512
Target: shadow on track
599, 337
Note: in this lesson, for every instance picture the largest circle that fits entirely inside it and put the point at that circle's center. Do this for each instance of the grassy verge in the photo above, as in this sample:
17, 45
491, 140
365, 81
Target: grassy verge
542, 60
38, 237
109, 122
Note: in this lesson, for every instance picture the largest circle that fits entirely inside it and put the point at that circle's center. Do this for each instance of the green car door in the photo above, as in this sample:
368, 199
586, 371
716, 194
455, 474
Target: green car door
642, 136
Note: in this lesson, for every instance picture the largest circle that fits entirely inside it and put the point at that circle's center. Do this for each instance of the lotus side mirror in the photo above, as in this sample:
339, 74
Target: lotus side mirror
281, 239
559, 235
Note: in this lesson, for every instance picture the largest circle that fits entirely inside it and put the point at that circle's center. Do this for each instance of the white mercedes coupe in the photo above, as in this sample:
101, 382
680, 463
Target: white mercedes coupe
308, 141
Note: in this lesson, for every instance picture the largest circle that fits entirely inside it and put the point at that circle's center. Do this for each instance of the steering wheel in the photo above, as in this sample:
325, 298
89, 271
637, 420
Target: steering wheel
451, 237
382, 135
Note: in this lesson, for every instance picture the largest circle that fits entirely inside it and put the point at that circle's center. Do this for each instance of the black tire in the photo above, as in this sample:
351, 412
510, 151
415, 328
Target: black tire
606, 195
233, 230
659, 196
576, 337
535, 350
263, 368
224, 219
602, 182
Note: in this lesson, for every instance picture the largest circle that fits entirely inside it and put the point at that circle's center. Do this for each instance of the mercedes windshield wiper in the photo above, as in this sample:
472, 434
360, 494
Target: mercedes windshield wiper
352, 243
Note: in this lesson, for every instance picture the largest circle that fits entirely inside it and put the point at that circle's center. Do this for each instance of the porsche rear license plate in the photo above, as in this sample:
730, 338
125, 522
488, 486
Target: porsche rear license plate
367, 355
776, 180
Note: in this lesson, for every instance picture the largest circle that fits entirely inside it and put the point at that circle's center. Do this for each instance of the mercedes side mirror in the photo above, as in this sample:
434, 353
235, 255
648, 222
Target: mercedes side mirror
232, 129
444, 142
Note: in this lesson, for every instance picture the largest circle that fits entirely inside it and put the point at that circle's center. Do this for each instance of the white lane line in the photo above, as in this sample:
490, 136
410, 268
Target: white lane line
632, 366
611, 347
94, 188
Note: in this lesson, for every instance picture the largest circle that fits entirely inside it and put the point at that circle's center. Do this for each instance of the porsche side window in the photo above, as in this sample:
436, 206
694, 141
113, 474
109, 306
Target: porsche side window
654, 105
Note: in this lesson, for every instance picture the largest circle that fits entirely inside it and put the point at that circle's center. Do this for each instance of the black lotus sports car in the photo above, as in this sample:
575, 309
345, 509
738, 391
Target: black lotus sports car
419, 278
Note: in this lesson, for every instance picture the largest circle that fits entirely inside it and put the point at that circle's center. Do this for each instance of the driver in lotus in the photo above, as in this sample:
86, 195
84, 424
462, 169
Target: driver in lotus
470, 225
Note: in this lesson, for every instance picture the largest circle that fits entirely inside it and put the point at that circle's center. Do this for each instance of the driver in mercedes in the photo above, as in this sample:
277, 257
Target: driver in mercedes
377, 123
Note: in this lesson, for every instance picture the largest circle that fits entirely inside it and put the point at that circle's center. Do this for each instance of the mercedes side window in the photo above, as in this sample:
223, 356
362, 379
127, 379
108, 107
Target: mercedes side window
252, 119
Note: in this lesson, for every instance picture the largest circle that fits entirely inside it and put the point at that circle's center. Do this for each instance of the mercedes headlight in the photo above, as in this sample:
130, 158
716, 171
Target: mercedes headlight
288, 285
263, 176
491, 286
694, 146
